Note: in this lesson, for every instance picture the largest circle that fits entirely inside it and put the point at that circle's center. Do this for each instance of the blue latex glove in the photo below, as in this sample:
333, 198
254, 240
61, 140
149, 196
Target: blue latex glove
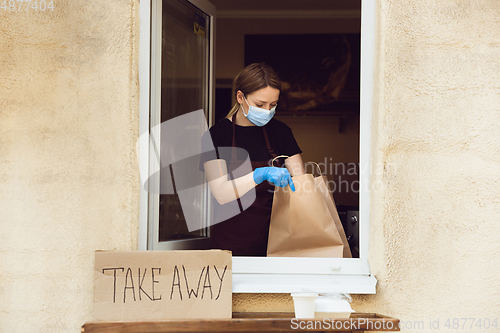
278, 176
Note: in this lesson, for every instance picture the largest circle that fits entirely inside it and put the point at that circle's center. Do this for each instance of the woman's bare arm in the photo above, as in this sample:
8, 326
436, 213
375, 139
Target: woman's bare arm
223, 189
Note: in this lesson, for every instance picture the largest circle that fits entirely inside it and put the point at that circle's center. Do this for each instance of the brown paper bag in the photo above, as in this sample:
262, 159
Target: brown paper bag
301, 222
330, 202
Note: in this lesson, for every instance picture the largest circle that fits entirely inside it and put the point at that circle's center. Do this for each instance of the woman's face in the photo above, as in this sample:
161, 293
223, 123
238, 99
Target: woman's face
265, 98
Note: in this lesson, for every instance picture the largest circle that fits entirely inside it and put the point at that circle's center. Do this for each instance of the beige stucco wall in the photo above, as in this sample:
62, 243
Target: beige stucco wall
68, 171
434, 227
69, 179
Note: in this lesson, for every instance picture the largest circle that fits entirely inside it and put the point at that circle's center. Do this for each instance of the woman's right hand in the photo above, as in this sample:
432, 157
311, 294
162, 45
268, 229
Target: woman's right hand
278, 176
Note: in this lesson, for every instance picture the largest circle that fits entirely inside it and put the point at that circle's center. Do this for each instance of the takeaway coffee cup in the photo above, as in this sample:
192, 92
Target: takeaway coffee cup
304, 304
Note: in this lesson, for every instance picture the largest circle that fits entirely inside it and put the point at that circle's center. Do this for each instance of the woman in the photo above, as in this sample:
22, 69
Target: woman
250, 126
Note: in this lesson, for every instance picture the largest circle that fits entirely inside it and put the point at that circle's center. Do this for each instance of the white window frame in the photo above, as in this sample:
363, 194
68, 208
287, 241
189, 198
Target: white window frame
153, 206
284, 275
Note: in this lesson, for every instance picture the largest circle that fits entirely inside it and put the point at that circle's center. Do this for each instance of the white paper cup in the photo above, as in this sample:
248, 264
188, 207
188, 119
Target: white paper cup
304, 304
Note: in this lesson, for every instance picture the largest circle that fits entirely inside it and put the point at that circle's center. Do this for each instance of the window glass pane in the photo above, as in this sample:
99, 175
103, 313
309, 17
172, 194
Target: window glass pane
183, 89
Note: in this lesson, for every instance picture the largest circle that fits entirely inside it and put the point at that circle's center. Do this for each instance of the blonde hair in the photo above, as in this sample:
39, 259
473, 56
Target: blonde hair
254, 77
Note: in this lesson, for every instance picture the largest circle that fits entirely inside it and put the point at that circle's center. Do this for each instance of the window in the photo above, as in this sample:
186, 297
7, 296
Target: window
260, 274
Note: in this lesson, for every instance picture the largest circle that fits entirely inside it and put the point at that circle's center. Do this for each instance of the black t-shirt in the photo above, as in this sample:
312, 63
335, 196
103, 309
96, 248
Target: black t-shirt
251, 138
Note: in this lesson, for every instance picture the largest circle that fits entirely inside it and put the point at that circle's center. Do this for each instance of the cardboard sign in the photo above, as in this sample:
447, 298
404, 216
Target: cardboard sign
158, 285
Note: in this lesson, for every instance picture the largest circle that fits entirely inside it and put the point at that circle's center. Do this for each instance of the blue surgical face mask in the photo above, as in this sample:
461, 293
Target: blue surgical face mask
258, 116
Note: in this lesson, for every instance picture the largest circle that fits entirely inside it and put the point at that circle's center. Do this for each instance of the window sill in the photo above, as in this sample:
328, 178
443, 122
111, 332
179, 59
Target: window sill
286, 283
288, 275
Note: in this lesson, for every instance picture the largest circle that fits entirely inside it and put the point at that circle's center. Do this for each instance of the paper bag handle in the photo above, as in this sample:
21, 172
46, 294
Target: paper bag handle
272, 162
319, 169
